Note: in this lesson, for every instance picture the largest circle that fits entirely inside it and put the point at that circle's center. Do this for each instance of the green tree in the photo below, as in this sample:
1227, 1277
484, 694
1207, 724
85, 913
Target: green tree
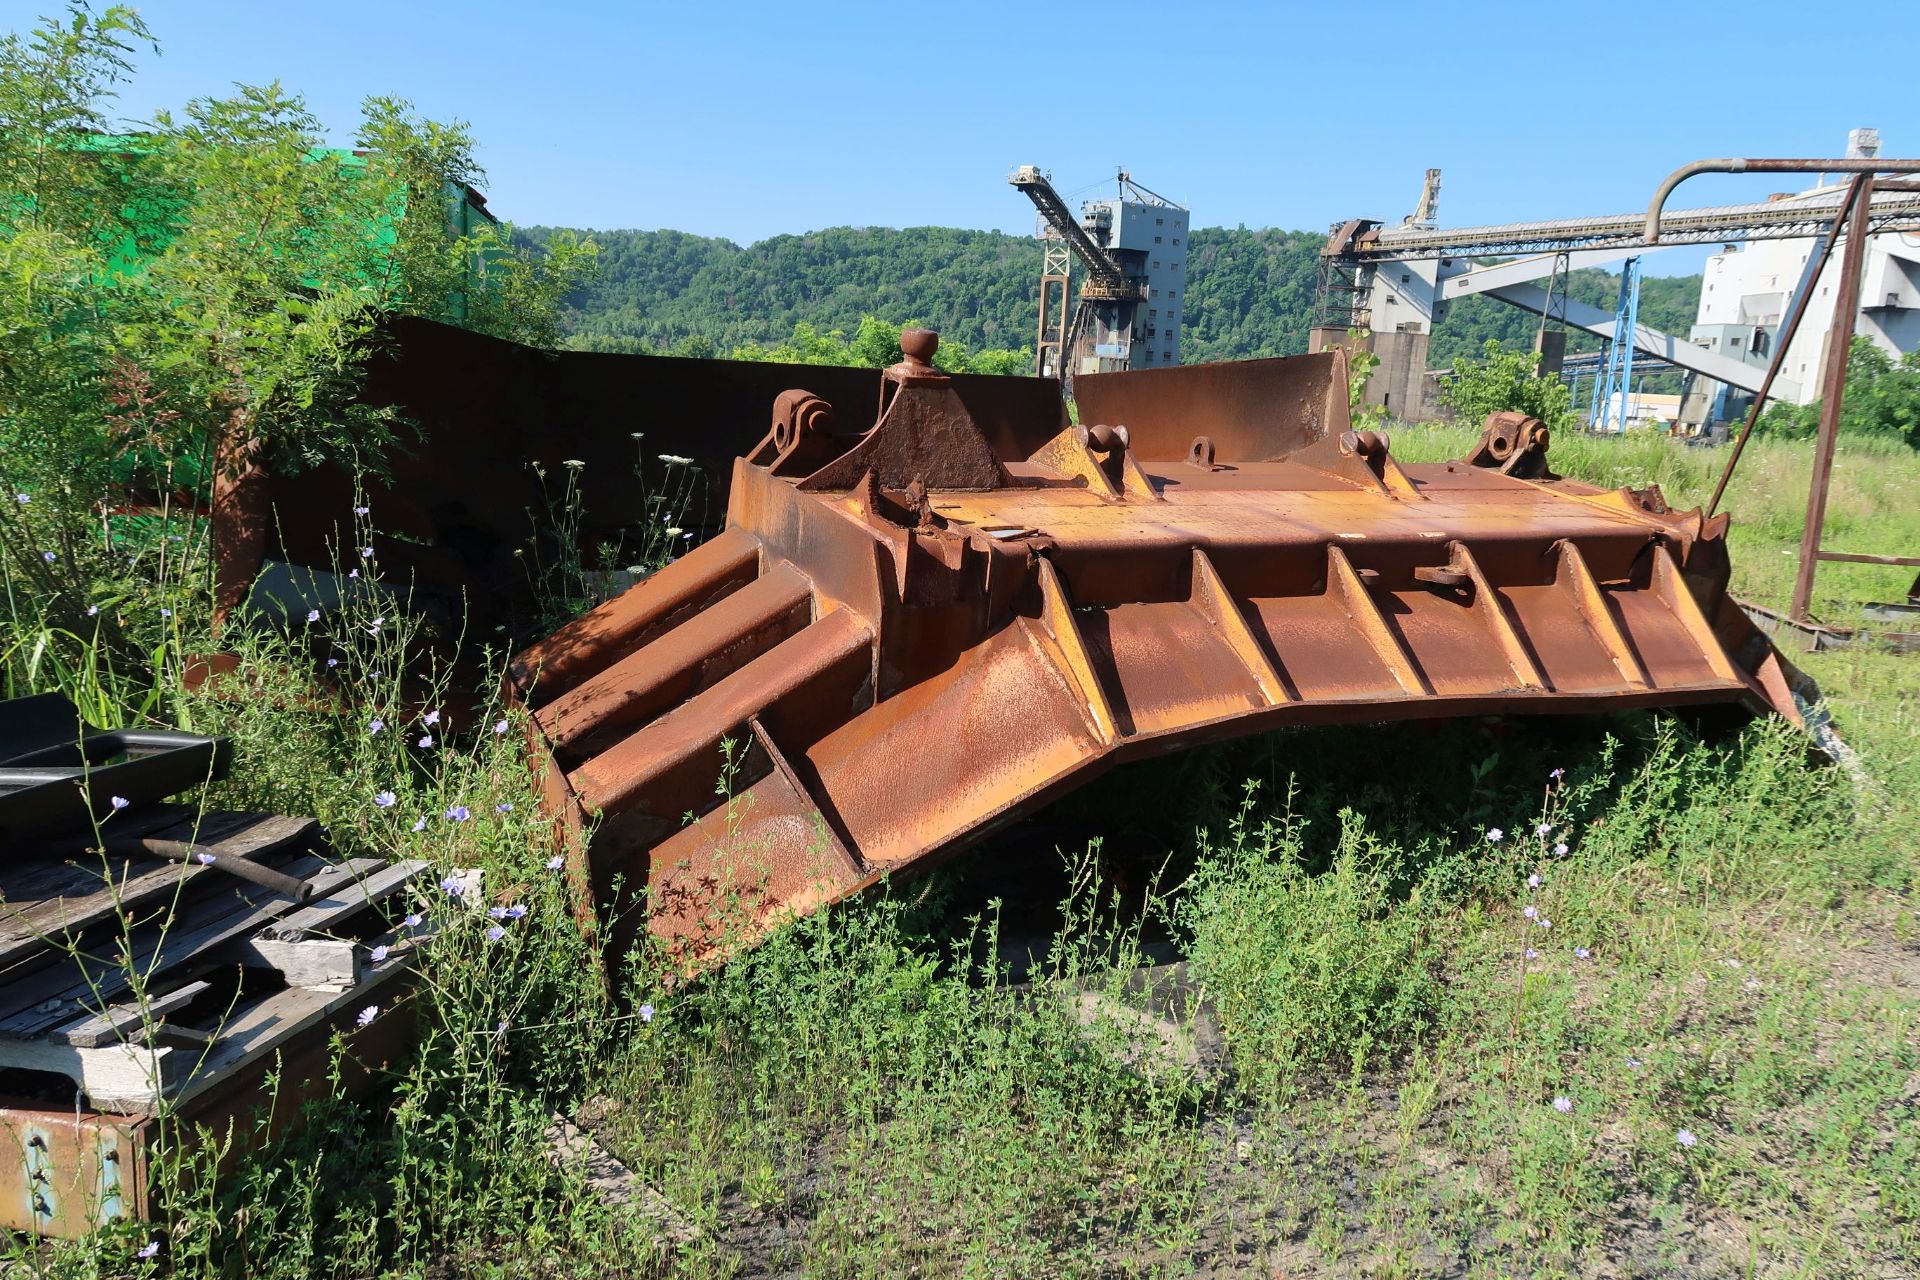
1249, 293
1882, 399
875, 345
1501, 380
217, 278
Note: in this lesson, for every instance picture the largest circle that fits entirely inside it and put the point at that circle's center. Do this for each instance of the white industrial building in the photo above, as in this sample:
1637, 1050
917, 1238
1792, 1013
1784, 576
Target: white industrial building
1746, 289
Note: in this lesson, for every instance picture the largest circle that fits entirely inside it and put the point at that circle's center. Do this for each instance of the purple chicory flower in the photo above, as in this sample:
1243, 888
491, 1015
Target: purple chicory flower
1495, 835
426, 740
1530, 911
48, 556
1533, 881
367, 1015
204, 858
497, 912
22, 498
1633, 1063
1557, 774
1532, 954
353, 573
556, 862
379, 954
375, 726
414, 921
385, 800
373, 628
1685, 1138
420, 824
517, 911
166, 613
496, 933
458, 813
432, 717
504, 808
499, 727
333, 662
366, 553
119, 802
1543, 923
313, 615
1563, 1104
1581, 953
1544, 830
360, 511
453, 886
1560, 850
646, 1013
149, 1249
93, 611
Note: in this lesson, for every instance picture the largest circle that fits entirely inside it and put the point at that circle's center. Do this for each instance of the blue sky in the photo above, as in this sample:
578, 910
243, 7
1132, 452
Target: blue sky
747, 120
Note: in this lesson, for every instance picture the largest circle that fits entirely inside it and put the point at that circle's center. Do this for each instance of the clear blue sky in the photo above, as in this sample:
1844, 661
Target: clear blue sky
747, 120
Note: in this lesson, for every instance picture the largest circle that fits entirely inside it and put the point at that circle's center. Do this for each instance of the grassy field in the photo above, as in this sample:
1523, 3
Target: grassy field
1584, 998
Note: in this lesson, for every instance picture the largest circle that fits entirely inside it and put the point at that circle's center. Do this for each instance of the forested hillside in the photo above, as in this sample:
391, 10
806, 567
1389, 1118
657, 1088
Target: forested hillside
1250, 292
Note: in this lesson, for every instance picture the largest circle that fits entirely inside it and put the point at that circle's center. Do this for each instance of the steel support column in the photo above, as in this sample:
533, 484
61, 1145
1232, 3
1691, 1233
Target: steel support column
1833, 386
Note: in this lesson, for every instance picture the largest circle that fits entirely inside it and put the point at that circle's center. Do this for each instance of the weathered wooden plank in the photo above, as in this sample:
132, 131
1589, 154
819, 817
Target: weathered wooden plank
264, 1028
289, 946
124, 1021
116, 1071
90, 887
320, 914
304, 962
133, 1079
156, 949
137, 1080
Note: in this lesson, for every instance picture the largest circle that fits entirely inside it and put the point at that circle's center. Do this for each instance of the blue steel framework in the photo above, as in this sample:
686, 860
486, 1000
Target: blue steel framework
1609, 410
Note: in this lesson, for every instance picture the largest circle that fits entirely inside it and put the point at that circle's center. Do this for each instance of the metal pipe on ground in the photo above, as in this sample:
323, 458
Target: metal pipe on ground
242, 868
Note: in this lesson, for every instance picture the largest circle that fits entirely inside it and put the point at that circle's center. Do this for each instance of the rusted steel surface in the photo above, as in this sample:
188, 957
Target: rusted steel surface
1249, 409
461, 496
878, 663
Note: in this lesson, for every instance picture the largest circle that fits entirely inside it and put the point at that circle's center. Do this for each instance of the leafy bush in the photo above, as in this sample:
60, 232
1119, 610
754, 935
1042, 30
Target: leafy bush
1308, 969
1882, 400
1503, 380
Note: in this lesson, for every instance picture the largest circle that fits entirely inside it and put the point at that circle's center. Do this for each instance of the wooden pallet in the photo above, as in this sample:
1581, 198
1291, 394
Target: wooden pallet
145, 984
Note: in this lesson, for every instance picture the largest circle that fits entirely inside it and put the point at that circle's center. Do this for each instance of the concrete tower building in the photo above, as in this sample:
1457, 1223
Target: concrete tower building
1148, 237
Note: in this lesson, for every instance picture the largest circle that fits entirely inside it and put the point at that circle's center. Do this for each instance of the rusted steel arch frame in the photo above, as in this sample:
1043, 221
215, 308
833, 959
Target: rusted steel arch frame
914, 640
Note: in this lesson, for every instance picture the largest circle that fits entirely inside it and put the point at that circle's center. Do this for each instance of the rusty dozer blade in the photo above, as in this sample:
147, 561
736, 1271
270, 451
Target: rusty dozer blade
902, 639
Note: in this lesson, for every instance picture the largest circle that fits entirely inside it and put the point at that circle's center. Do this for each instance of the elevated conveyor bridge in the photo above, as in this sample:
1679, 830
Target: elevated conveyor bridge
1396, 281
